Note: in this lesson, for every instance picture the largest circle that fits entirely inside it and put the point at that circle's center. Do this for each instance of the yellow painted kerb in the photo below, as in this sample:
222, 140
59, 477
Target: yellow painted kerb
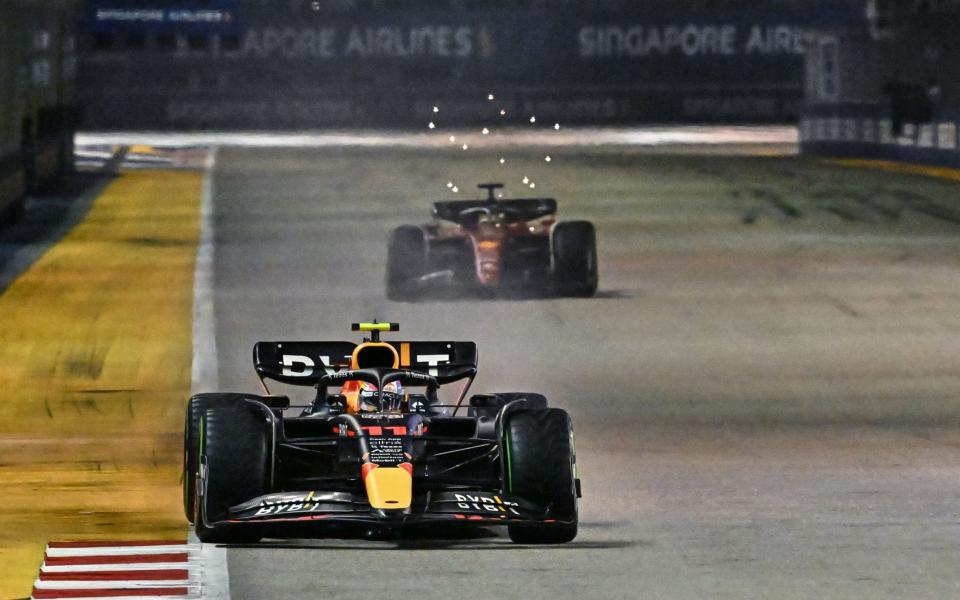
95, 354
898, 167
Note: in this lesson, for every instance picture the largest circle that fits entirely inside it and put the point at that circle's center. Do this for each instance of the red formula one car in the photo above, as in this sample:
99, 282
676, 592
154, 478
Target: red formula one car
493, 245
374, 448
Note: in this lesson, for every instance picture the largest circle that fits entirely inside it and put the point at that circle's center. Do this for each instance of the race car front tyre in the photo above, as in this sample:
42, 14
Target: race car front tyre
233, 441
540, 463
406, 263
574, 255
196, 408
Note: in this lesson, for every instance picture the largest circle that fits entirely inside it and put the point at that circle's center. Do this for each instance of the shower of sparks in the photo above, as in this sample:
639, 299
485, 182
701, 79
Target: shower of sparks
486, 131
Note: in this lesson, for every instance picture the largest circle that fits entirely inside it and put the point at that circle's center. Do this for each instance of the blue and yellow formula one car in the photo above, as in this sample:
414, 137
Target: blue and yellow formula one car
375, 447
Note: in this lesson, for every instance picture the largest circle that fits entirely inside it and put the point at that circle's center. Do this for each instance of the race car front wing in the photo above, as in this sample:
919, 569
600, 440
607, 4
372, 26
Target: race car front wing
468, 507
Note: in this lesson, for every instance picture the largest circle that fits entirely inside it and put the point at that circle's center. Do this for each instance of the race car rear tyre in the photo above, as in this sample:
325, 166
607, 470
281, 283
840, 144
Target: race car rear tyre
234, 442
574, 255
196, 409
540, 464
406, 263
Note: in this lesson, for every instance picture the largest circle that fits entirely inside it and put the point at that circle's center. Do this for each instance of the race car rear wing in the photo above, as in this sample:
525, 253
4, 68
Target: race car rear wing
303, 363
524, 209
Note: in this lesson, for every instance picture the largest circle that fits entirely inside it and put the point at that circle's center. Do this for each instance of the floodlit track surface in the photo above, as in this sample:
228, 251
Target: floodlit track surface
766, 389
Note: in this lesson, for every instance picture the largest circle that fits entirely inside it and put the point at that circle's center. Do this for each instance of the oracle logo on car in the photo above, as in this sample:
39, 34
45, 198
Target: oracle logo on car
298, 365
485, 503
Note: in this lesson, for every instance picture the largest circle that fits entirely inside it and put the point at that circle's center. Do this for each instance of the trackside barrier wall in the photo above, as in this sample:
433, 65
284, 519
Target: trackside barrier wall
929, 143
886, 86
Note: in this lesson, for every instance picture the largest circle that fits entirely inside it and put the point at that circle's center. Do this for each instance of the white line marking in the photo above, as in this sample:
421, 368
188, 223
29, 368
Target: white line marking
116, 550
118, 567
214, 575
89, 153
204, 376
164, 597
114, 585
586, 136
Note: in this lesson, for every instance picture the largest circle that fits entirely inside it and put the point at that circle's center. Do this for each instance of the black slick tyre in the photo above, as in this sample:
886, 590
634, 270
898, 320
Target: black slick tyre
196, 408
406, 263
573, 246
234, 442
540, 464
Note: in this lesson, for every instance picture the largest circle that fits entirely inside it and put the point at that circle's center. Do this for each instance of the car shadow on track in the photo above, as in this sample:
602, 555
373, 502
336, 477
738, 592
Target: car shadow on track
436, 544
453, 538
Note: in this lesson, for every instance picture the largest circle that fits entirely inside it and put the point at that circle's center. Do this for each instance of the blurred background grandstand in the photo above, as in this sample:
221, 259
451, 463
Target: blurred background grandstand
344, 63
875, 78
765, 386
38, 67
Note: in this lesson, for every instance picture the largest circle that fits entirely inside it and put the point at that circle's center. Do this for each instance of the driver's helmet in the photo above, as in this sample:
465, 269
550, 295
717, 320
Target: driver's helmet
391, 400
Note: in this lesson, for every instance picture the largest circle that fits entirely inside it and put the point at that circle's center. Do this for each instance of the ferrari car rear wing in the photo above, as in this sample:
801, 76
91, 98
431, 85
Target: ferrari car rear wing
304, 363
524, 209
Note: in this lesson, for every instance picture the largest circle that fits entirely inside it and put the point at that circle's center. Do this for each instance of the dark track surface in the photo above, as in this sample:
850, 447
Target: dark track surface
766, 390
46, 218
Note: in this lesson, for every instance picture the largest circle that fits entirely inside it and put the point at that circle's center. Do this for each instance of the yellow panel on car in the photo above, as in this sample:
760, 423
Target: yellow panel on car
375, 326
389, 487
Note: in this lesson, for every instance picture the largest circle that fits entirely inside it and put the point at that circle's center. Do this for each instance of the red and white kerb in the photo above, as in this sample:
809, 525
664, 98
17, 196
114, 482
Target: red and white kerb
118, 570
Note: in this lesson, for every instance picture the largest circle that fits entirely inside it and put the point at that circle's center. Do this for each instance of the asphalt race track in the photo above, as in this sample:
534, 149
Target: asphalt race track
766, 389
